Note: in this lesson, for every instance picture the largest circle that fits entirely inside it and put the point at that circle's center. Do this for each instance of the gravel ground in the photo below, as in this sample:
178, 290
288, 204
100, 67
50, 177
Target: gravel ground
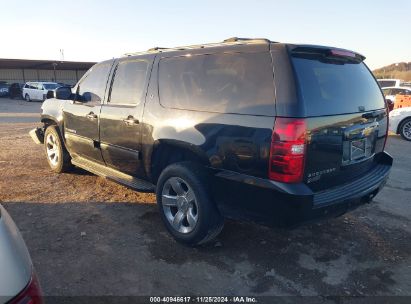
90, 236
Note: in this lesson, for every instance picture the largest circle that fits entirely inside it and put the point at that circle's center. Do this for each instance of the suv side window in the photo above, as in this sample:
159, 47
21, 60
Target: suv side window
93, 86
240, 83
129, 82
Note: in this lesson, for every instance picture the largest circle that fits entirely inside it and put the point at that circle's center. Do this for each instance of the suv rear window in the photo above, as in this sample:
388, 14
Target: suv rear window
330, 87
240, 83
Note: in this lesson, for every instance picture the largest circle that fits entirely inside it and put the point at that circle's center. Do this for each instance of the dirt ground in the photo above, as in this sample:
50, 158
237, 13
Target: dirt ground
90, 236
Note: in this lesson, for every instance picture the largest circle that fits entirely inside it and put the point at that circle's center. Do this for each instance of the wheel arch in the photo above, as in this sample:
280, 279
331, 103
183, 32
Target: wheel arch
166, 152
401, 122
49, 120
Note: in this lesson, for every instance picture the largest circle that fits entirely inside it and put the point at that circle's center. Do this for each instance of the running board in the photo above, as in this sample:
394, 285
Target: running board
114, 175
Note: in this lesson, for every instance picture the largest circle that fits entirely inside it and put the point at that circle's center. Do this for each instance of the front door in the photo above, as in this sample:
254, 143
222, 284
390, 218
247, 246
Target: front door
81, 117
120, 120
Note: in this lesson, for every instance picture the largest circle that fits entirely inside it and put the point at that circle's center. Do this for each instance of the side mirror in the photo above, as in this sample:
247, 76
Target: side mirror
62, 93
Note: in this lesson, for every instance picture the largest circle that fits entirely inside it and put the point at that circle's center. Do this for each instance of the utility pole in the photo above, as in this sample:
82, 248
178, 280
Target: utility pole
54, 66
61, 54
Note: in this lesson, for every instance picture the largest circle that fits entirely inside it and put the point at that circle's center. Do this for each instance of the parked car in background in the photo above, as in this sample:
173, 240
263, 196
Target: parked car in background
400, 122
391, 92
4, 89
389, 82
18, 281
16, 90
215, 135
38, 90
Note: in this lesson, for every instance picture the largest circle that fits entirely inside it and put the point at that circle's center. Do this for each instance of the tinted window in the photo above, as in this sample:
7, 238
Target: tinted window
328, 88
129, 82
403, 92
386, 83
51, 86
92, 88
224, 83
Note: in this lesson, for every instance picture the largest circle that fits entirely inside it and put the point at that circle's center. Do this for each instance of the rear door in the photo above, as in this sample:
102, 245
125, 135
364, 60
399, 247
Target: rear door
39, 91
346, 115
81, 117
120, 122
32, 90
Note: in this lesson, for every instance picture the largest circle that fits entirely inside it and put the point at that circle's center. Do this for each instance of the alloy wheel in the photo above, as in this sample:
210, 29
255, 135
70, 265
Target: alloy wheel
52, 148
180, 205
406, 130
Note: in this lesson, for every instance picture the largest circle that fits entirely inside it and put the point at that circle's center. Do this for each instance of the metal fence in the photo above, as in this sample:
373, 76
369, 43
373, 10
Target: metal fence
24, 75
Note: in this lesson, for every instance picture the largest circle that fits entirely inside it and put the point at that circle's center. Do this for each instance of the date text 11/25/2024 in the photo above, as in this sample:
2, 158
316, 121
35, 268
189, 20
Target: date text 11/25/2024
182, 299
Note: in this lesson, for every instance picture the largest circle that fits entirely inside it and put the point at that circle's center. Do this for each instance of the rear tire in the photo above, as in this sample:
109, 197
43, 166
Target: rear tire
185, 204
27, 97
405, 129
57, 156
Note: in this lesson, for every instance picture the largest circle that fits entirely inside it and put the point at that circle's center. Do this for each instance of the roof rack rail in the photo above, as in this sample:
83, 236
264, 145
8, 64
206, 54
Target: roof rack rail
157, 48
237, 39
201, 46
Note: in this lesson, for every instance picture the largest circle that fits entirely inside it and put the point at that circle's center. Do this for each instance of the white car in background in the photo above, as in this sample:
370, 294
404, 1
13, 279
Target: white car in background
400, 122
391, 92
38, 90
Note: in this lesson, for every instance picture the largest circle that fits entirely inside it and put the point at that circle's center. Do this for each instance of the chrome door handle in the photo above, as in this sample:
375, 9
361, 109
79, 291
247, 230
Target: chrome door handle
91, 116
131, 121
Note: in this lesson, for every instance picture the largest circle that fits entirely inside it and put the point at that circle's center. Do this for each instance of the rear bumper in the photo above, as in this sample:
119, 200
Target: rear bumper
276, 204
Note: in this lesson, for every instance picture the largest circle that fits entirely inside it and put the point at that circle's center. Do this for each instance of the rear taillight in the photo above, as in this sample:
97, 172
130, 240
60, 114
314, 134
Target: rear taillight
31, 294
388, 127
287, 153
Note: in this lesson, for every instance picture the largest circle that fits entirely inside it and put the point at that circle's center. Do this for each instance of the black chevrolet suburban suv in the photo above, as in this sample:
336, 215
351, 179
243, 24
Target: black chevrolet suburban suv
247, 129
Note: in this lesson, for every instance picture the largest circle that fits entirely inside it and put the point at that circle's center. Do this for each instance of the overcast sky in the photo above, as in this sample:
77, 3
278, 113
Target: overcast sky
97, 30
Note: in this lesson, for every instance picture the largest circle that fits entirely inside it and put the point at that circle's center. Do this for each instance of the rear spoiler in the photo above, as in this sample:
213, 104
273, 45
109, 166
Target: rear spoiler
325, 53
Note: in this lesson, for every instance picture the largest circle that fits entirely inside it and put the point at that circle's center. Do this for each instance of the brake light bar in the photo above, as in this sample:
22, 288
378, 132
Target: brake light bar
287, 152
342, 53
388, 124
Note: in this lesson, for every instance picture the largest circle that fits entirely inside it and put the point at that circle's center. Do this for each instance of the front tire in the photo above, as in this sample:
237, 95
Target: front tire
185, 204
57, 156
405, 129
27, 97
